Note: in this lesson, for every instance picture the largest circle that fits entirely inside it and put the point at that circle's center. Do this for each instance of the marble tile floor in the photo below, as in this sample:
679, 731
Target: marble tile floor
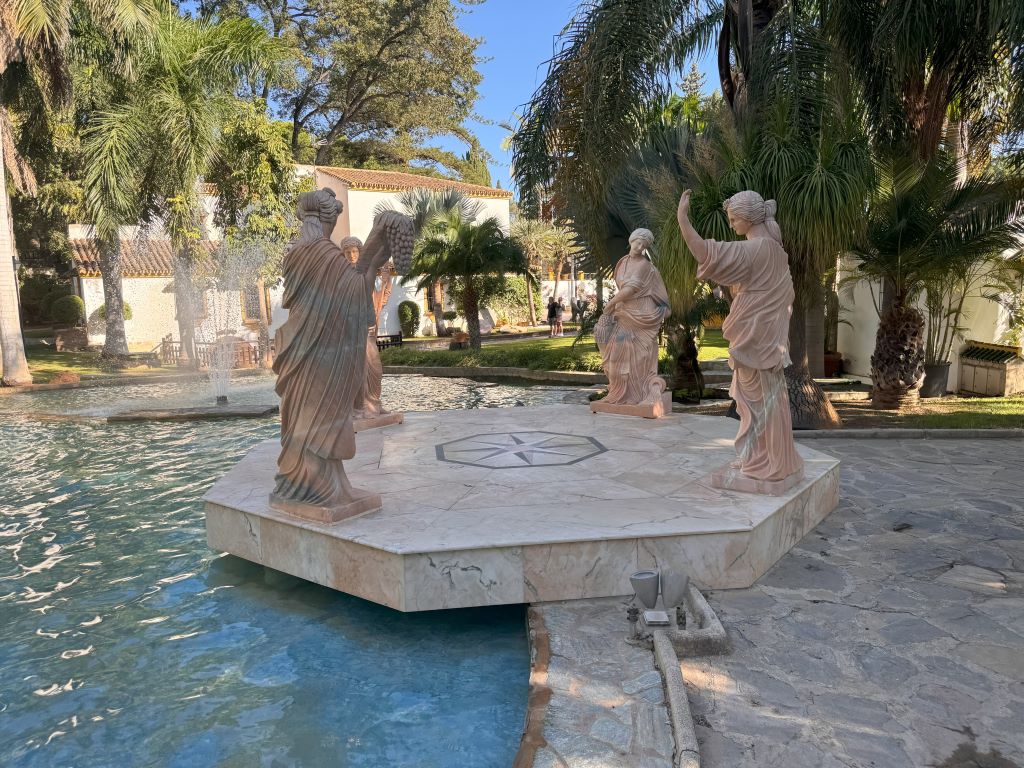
495, 506
893, 634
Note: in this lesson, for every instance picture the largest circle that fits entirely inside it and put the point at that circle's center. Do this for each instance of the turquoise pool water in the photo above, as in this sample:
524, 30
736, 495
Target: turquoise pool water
125, 641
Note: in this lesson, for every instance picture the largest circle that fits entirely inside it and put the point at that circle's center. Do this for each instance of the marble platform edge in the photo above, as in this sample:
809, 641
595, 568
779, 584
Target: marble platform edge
508, 575
258, 504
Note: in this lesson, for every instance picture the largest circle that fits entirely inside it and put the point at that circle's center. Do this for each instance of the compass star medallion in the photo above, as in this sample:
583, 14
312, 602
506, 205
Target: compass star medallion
511, 450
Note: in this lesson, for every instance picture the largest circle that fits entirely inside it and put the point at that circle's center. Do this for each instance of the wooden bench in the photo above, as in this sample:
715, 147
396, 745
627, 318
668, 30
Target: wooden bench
391, 340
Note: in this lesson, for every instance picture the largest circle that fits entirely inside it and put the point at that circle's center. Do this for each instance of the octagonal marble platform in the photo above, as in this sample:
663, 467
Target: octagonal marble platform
511, 505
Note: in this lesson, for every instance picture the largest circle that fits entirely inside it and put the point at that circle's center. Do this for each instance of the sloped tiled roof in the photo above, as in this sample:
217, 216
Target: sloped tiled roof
155, 260
392, 181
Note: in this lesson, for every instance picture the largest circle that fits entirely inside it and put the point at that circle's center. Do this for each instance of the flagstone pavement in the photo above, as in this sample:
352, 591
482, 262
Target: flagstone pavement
892, 636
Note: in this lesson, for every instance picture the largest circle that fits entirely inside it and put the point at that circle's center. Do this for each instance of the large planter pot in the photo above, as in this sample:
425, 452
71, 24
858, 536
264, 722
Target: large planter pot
645, 584
936, 380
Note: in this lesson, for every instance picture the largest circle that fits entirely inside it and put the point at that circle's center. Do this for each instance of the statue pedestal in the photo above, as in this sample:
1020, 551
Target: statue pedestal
380, 420
656, 410
729, 478
361, 502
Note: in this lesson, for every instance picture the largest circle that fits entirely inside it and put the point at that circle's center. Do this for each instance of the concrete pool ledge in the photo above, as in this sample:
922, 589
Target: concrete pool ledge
524, 505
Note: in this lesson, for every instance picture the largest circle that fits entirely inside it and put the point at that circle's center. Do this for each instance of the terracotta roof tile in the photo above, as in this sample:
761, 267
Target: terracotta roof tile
362, 178
156, 260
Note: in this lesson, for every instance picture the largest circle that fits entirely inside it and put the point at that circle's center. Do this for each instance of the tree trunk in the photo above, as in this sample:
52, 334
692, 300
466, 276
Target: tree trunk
687, 375
815, 330
14, 369
559, 265
599, 280
529, 299
897, 364
437, 296
471, 308
116, 342
184, 302
809, 406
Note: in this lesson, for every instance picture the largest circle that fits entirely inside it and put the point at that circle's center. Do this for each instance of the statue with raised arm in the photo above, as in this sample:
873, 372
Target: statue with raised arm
627, 336
369, 411
756, 271
321, 358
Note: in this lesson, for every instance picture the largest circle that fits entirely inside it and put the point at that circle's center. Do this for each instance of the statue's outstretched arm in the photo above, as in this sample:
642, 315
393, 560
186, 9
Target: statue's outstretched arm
698, 247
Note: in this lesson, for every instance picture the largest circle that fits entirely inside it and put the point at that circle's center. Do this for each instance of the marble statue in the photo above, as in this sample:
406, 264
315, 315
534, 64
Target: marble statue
756, 271
627, 336
321, 358
369, 412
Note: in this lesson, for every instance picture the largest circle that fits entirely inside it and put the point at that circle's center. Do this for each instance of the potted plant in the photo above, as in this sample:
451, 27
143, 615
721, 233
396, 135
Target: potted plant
962, 274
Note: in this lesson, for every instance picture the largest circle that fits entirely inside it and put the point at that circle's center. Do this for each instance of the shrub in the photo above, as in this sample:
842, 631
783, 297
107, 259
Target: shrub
35, 288
450, 315
68, 311
126, 311
409, 318
46, 305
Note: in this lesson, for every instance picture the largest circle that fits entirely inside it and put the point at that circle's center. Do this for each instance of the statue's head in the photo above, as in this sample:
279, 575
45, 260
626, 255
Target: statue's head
350, 248
748, 209
318, 211
639, 241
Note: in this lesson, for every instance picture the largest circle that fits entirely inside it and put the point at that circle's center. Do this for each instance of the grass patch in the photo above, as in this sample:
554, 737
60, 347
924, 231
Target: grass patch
535, 354
45, 364
941, 413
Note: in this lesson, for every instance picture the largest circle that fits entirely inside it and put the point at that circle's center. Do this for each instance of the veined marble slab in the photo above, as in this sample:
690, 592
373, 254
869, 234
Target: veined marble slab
508, 505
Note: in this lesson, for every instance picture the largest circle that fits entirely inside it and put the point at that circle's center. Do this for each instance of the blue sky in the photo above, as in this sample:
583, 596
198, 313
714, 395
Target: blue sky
519, 38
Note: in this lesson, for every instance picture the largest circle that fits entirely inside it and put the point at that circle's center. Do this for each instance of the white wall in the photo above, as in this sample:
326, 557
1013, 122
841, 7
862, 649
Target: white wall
153, 311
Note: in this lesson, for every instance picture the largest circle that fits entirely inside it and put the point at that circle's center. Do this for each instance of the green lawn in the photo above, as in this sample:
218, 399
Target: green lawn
45, 364
535, 354
944, 413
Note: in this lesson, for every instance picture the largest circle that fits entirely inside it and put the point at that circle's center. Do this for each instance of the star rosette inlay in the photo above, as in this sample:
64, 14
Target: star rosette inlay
511, 450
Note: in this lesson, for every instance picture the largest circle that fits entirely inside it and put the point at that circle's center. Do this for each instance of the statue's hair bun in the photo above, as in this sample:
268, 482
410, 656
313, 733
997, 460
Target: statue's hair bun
770, 207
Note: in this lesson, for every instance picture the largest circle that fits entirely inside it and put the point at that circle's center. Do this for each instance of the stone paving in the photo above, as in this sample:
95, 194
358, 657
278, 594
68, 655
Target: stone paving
893, 634
607, 708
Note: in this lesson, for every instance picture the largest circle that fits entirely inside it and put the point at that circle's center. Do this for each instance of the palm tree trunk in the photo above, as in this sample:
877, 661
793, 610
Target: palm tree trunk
529, 298
815, 330
438, 299
116, 342
688, 376
809, 406
599, 280
14, 369
897, 364
471, 308
558, 274
184, 294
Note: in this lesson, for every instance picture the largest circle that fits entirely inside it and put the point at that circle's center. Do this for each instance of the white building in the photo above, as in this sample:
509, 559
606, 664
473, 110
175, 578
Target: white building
148, 267
360, 191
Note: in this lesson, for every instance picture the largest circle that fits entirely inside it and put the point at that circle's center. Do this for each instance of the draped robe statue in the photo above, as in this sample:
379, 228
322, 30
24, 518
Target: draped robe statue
368, 399
756, 271
627, 335
320, 363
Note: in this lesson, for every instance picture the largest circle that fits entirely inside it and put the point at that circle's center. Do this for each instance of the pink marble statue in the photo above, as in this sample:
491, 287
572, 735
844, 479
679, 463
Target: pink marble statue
627, 335
321, 359
368, 399
756, 270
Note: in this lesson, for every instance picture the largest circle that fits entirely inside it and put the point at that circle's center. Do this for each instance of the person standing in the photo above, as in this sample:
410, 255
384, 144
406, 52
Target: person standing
559, 314
552, 313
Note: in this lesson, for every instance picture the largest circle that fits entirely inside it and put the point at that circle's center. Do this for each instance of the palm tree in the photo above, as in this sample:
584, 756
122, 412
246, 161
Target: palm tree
35, 38
426, 206
537, 239
456, 248
789, 131
923, 222
147, 153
